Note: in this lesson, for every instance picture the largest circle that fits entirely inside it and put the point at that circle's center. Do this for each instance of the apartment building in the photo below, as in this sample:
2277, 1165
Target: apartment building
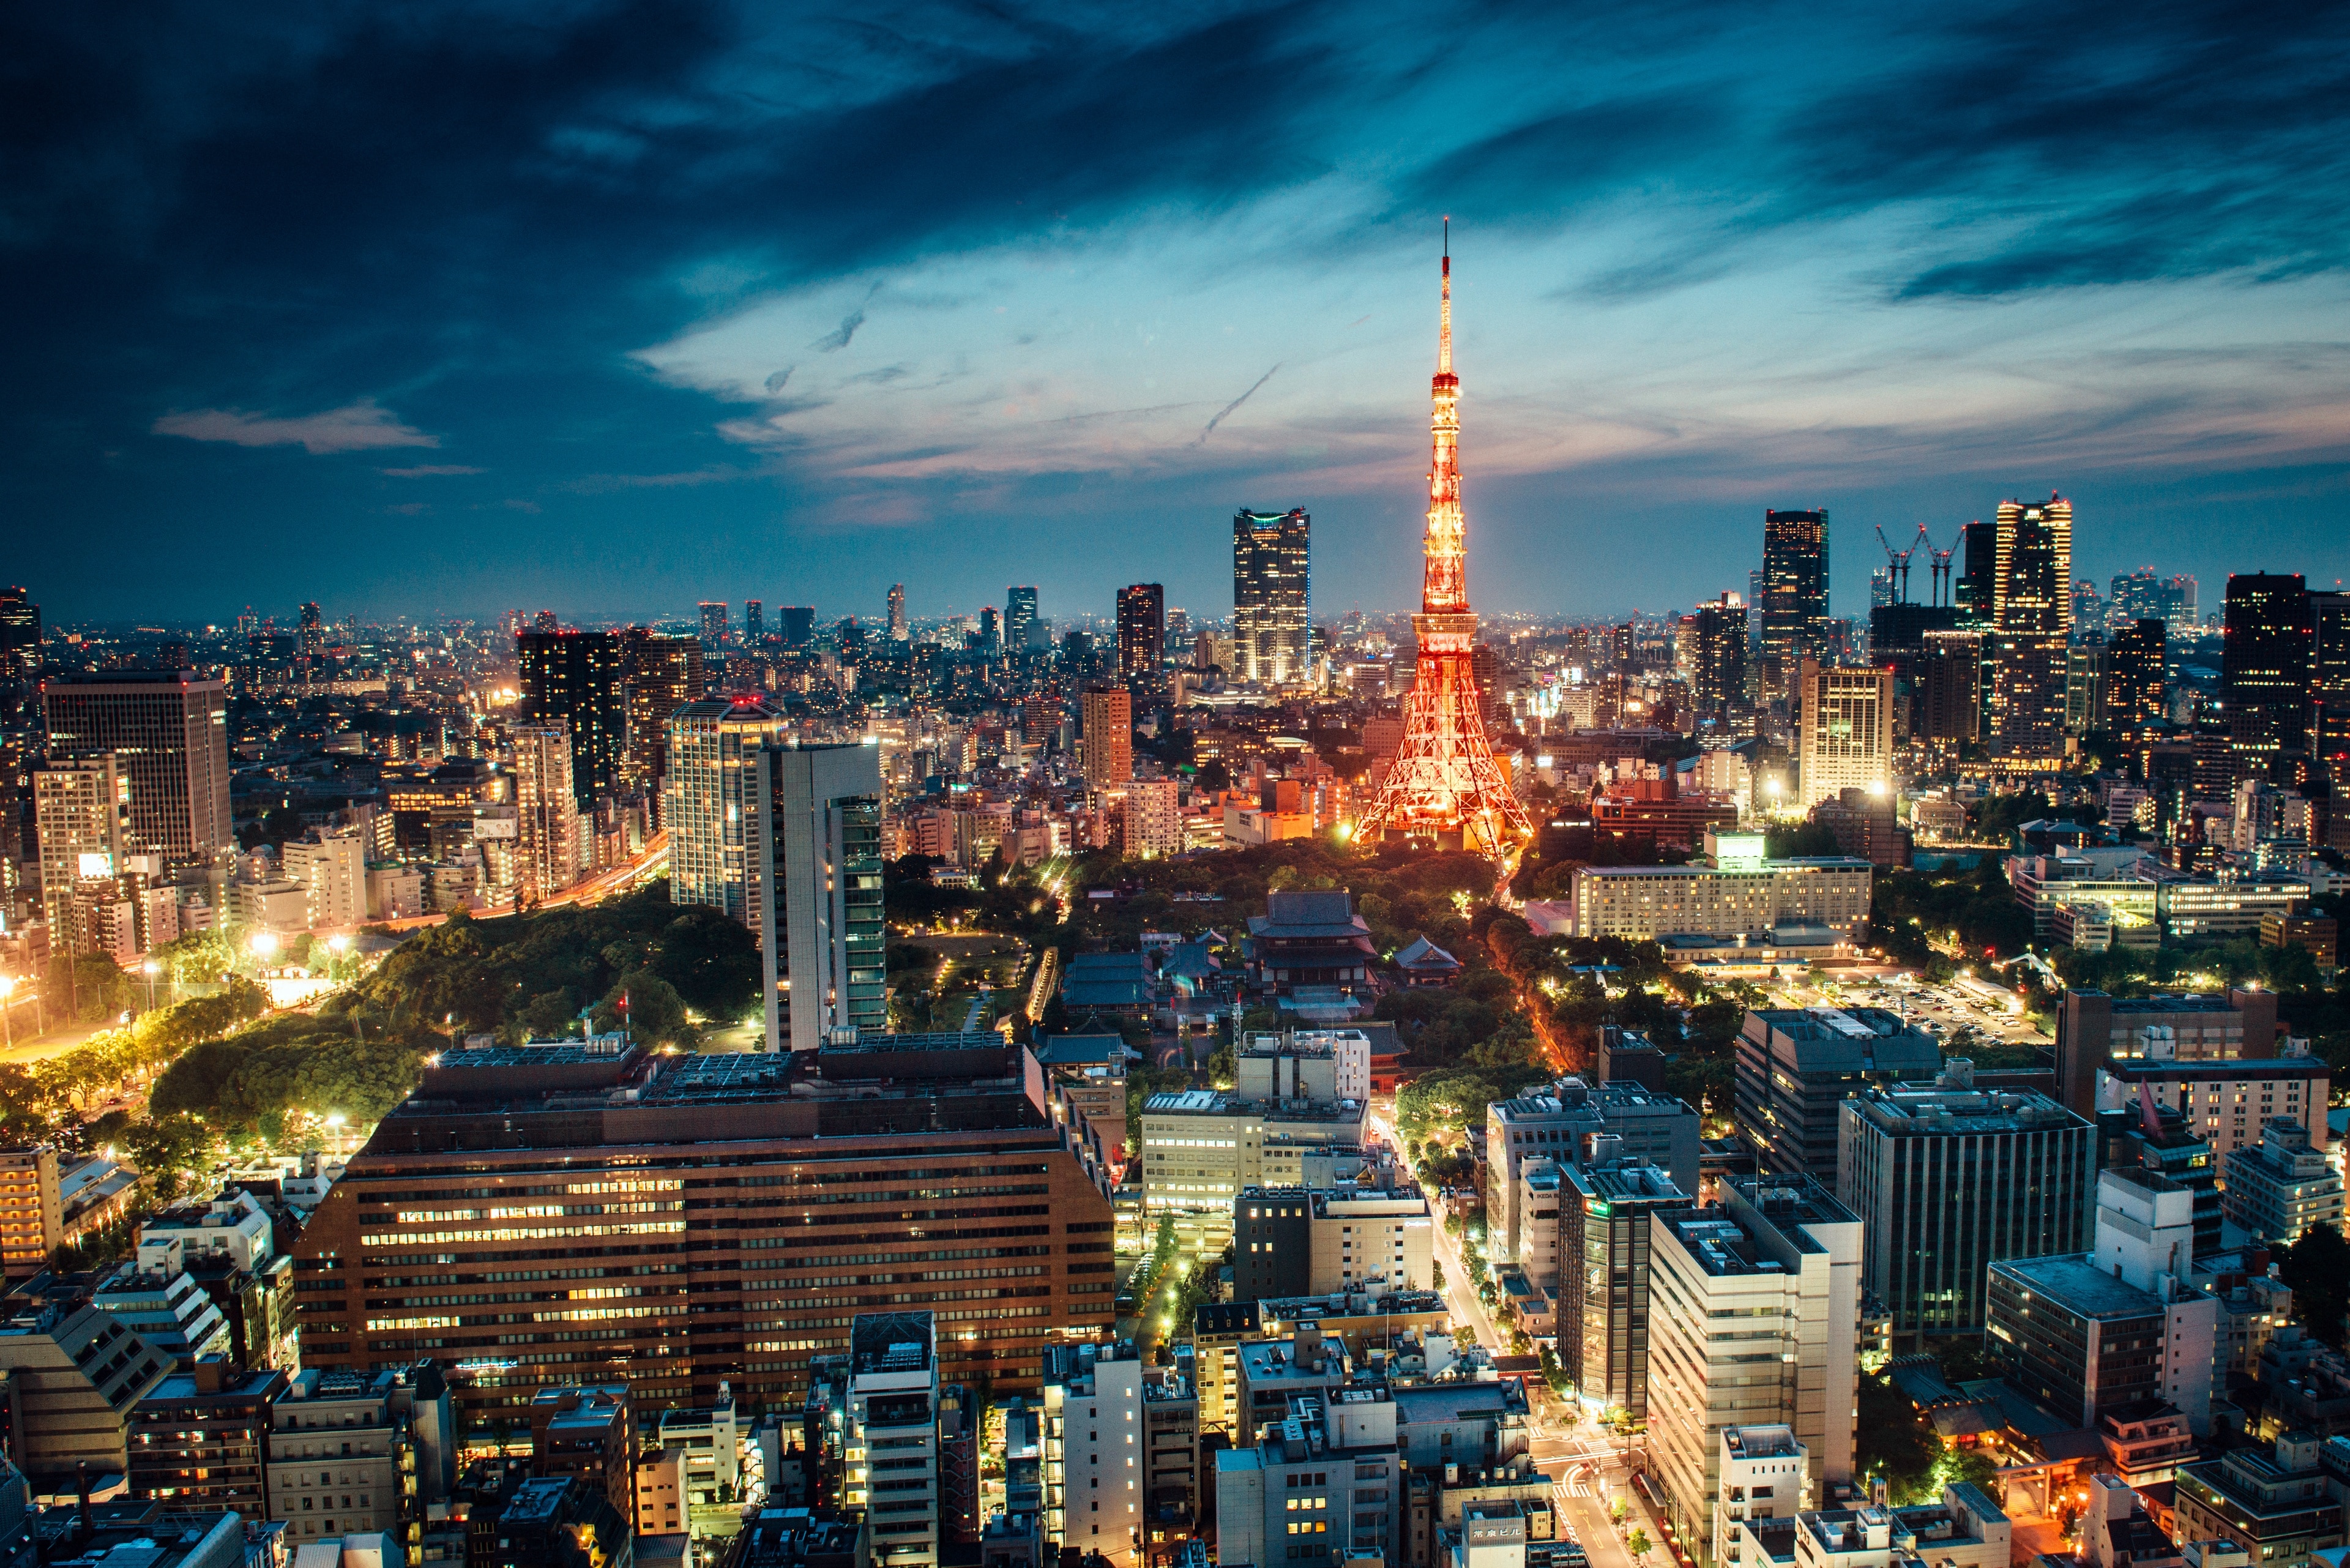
1094, 1450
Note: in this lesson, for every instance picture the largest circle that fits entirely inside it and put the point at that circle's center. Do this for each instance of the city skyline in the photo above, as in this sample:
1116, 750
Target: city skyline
566, 311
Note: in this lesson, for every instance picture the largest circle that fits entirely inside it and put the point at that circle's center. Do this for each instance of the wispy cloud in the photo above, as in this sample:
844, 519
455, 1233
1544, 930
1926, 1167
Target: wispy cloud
1221, 414
363, 426
431, 471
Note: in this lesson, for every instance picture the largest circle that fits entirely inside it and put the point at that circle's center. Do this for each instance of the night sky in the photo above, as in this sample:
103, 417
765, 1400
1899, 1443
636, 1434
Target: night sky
424, 309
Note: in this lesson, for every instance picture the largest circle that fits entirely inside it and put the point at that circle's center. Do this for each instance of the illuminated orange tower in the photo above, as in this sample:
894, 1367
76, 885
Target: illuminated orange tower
1445, 786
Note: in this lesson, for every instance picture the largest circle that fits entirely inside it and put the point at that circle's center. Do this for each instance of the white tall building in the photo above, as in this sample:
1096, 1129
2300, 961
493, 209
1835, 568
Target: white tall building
818, 835
880, 1421
1093, 1449
1754, 1320
332, 869
710, 802
546, 812
1764, 1474
1846, 731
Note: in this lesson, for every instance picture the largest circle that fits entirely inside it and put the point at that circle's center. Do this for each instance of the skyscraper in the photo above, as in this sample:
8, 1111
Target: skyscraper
796, 623
755, 623
2031, 613
1978, 573
820, 926
714, 627
1847, 729
81, 812
1141, 635
1019, 619
575, 676
1444, 785
710, 802
547, 811
2134, 701
1271, 606
20, 636
169, 731
658, 674
1794, 599
1718, 666
898, 612
2329, 689
2267, 664
1107, 716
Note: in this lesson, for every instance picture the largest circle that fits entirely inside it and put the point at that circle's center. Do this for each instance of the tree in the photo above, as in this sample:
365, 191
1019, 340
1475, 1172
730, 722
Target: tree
1639, 1544
655, 1014
2317, 1268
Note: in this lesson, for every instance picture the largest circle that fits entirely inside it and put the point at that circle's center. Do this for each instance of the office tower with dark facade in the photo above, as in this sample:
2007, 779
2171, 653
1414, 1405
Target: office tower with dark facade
1977, 587
169, 732
1272, 596
2265, 676
1718, 672
1794, 600
1946, 1179
716, 630
575, 676
755, 623
898, 628
1946, 693
1897, 641
1141, 635
601, 1214
20, 636
2136, 692
2329, 711
797, 624
1602, 1274
2031, 614
658, 675
1019, 619
821, 934
1796, 1068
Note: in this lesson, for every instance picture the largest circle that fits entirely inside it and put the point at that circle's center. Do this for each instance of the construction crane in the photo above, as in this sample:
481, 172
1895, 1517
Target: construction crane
1937, 563
1900, 562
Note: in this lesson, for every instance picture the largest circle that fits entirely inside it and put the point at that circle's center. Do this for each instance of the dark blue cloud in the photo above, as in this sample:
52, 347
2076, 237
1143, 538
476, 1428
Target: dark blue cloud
470, 216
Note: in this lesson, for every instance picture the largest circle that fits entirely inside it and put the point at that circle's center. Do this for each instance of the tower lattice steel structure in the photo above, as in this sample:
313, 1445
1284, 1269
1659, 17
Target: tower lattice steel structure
1445, 785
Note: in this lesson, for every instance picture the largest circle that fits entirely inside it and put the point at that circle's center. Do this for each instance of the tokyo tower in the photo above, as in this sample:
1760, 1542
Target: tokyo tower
1445, 786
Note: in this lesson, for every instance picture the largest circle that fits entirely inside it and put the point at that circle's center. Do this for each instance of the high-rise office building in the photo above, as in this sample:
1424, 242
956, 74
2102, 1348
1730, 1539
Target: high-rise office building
1271, 597
2266, 670
1718, 659
1978, 573
819, 916
2031, 614
1105, 719
874, 1416
755, 623
2329, 692
1945, 1179
1603, 1265
658, 675
714, 624
1846, 731
1141, 635
20, 636
760, 1175
1794, 599
990, 631
81, 814
796, 623
1019, 619
169, 732
1796, 1065
2137, 698
709, 802
1755, 1319
2086, 668
1946, 700
574, 677
898, 632
547, 851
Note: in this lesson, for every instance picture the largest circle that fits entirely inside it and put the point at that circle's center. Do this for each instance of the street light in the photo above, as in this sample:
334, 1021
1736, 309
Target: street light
151, 968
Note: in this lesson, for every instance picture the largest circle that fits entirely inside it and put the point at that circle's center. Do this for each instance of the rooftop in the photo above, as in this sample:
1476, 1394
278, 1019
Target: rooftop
892, 1341
1760, 1442
1902, 1111
2080, 1286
